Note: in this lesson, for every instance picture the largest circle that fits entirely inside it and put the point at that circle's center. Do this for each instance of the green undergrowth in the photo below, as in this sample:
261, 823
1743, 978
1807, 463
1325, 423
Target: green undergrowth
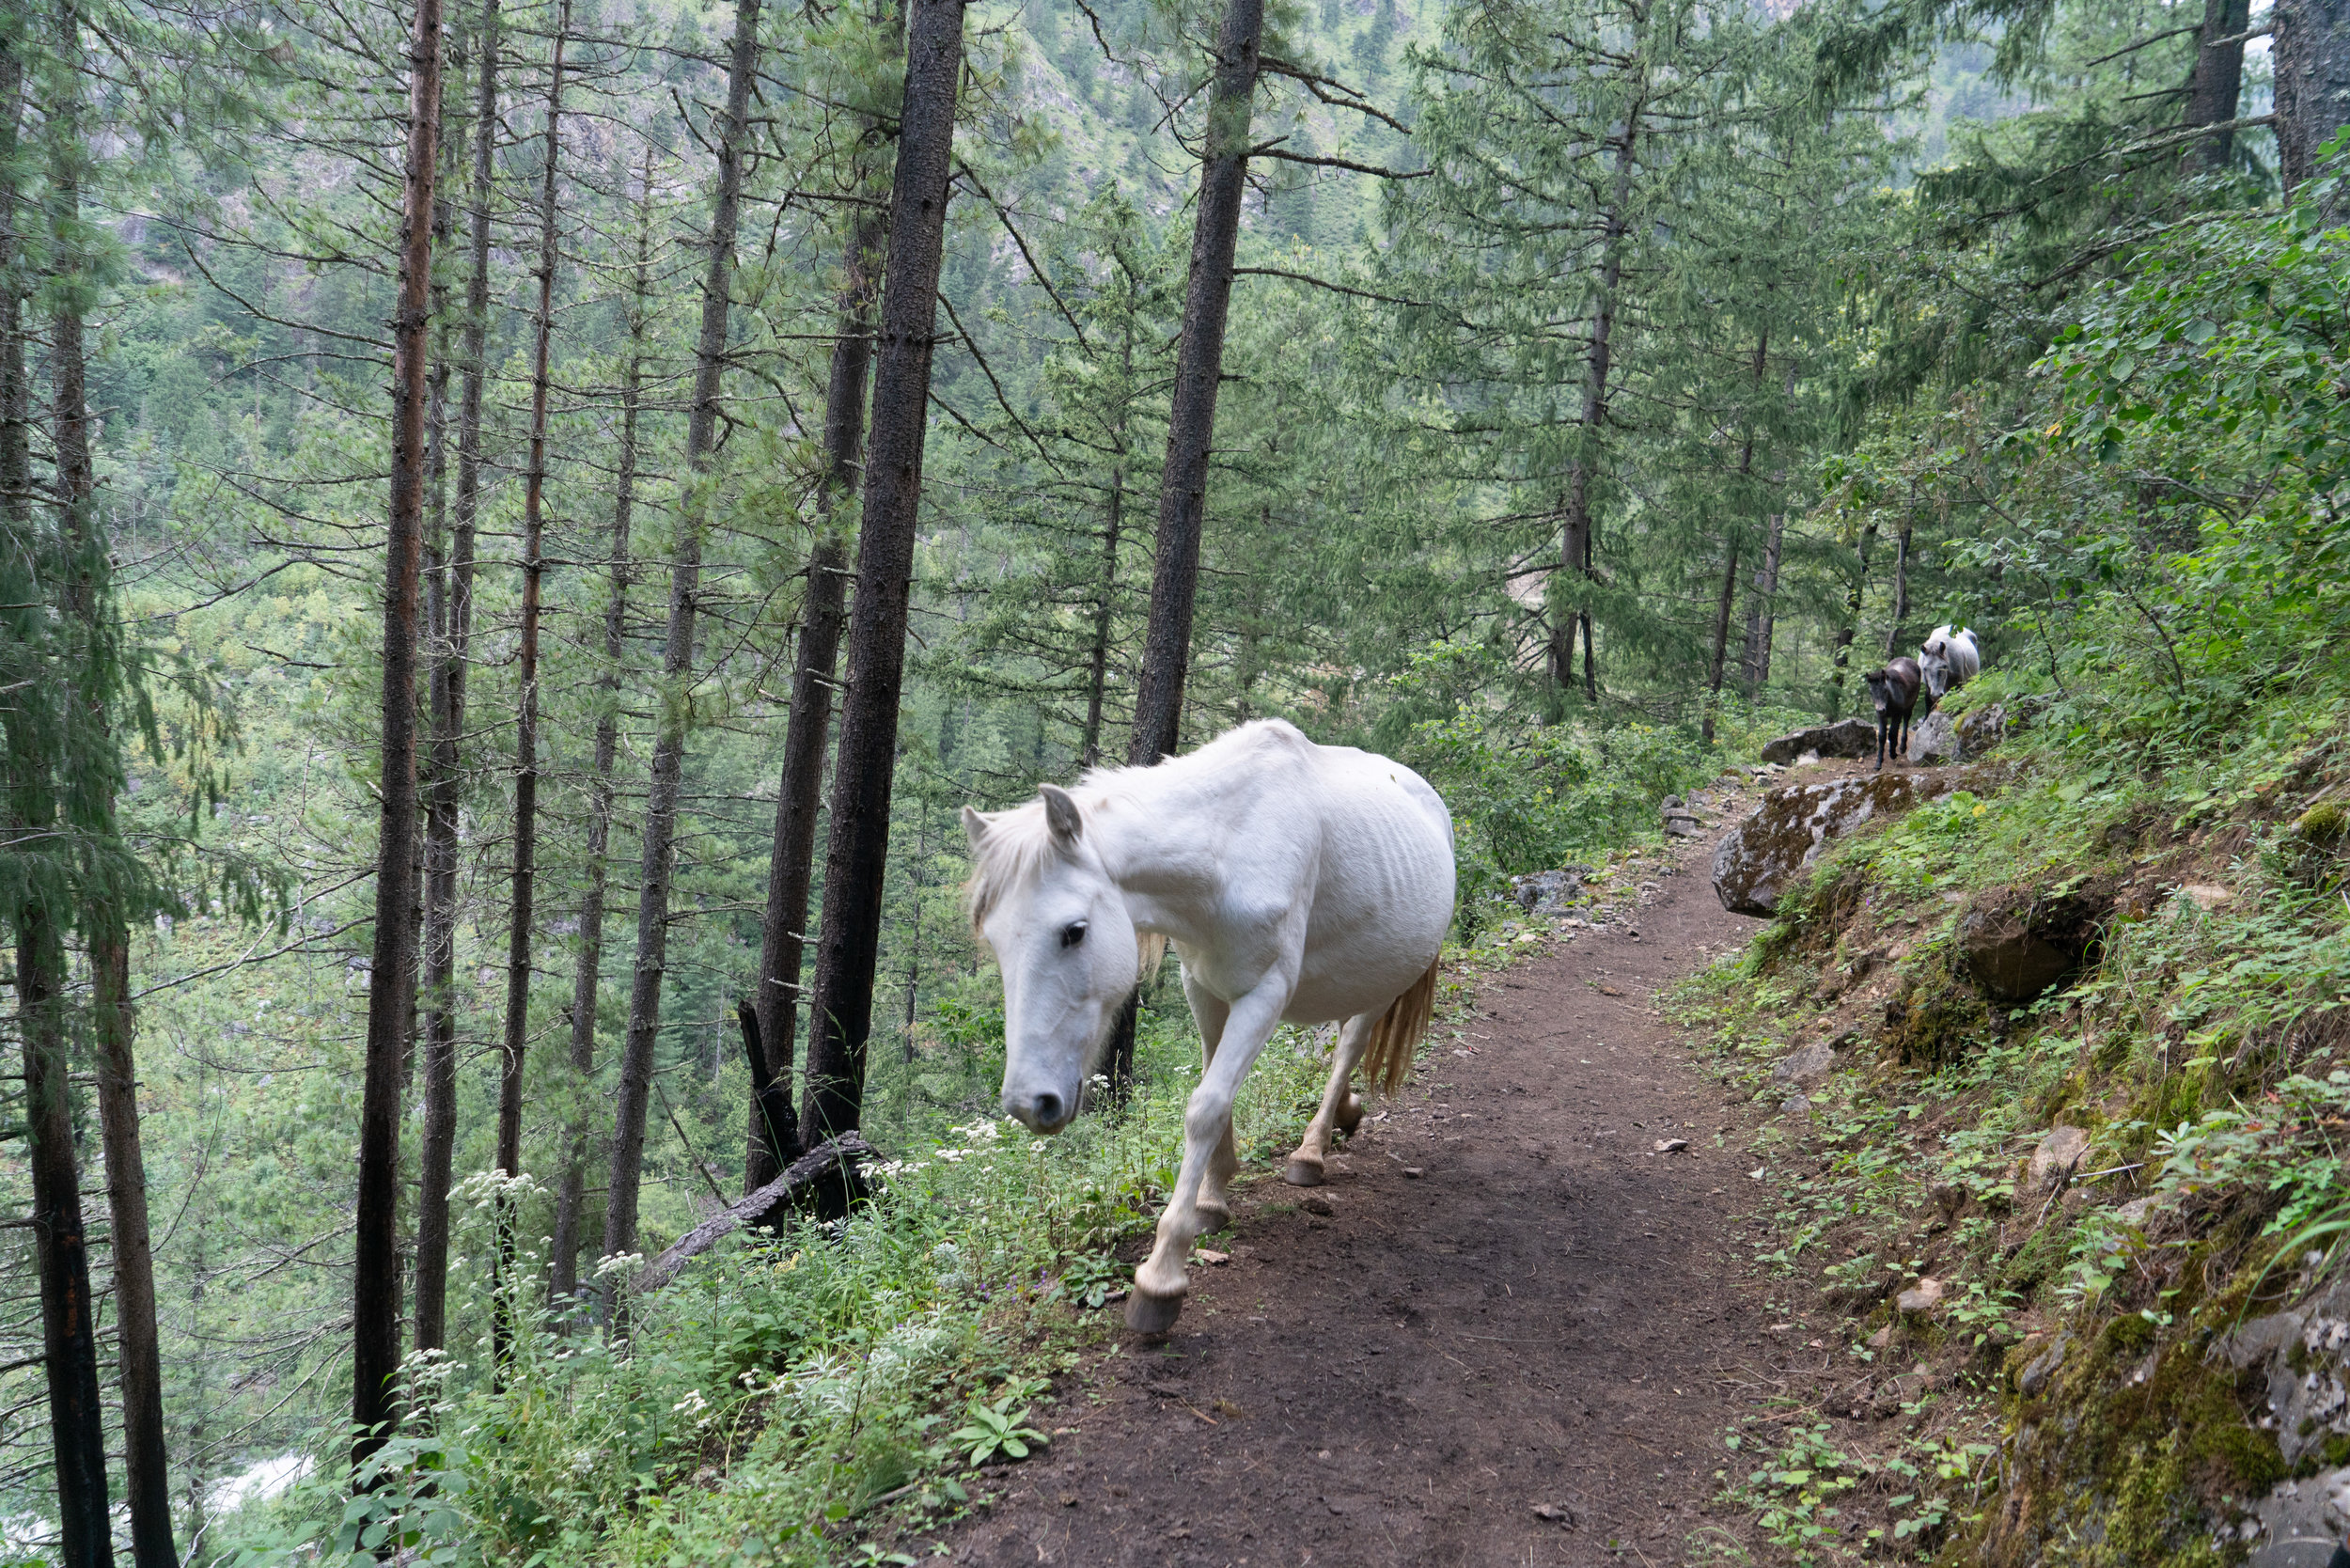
2061, 1399
809, 1398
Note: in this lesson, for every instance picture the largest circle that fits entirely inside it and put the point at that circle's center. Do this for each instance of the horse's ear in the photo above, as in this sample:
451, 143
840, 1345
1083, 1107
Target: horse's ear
1061, 815
976, 826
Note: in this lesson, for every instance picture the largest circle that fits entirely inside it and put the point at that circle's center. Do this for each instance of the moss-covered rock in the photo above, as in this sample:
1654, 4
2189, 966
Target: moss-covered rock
1936, 1015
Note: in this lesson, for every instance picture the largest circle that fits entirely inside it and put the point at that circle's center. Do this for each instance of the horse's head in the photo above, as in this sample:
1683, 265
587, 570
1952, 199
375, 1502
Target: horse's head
1057, 925
1894, 688
1937, 672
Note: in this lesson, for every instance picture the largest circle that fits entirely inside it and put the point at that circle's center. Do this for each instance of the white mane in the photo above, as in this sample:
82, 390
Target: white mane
1019, 841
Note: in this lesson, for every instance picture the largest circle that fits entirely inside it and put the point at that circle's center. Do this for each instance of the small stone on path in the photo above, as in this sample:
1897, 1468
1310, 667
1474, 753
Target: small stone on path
2060, 1152
1925, 1296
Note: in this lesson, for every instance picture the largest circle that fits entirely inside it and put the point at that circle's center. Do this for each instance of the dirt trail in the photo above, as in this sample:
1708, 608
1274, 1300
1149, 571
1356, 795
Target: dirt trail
1523, 1353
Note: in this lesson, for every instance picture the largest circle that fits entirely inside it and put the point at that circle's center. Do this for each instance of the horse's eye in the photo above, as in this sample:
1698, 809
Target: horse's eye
1072, 933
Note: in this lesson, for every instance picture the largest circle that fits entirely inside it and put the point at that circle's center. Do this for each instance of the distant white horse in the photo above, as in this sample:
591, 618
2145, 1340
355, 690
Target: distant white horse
1297, 882
1949, 660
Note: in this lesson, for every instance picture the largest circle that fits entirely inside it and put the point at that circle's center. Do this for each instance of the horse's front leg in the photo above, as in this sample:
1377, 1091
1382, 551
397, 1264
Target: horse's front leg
1160, 1282
1339, 1109
1210, 1012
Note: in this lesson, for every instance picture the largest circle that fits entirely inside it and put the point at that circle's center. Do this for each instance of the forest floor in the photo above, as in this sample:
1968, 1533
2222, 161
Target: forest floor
1509, 1329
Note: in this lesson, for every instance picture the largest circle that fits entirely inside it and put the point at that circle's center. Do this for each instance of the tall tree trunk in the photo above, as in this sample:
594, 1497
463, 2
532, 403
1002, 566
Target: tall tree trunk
437, 1148
1719, 663
375, 1274
1755, 663
102, 897
16, 451
61, 1245
775, 1130
570, 1202
857, 850
1104, 607
68, 1333
1199, 371
2216, 84
1191, 425
1721, 637
105, 922
1245, 676
1578, 549
438, 577
1842, 659
516, 1036
1901, 587
2311, 55
659, 861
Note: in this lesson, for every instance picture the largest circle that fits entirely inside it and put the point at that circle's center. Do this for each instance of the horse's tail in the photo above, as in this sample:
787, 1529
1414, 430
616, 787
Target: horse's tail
1388, 1055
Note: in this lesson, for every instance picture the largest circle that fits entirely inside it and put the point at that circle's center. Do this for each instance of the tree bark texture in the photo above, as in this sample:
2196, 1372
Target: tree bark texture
68, 1331
2216, 83
1191, 428
375, 1274
659, 861
1720, 653
1842, 659
775, 1130
104, 917
2311, 55
1104, 607
1578, 549
61, 1247
516, 1032
1199, 371
1900, 589
570, 1203
16, 459
856, 850
1755, 663
437, 1148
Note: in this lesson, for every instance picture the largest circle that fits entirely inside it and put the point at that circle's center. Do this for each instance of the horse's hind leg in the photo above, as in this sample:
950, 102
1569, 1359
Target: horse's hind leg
1338, 1102
1209, 1011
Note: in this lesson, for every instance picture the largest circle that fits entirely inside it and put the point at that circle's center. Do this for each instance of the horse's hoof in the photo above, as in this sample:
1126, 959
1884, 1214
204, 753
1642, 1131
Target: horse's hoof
1302, 1173
1213, 1216
1152, 1314
1350, 1116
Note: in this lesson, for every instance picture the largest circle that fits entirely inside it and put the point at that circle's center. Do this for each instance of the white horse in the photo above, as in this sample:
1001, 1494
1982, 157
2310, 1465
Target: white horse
1297, 882
1949, 660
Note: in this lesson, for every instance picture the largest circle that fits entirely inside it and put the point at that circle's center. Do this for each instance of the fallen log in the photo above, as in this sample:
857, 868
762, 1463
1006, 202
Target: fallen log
844, 1153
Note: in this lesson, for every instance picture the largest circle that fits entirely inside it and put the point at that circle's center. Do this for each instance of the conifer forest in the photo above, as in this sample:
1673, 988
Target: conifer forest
524, 523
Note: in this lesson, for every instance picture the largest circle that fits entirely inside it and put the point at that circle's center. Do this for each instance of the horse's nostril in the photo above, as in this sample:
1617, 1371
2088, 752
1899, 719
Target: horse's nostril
1048, 1111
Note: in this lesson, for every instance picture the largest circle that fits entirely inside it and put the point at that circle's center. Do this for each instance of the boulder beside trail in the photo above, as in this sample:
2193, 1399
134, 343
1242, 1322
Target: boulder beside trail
2007, 958
1850, 737
1941, 737
1548, 892
2017, 942
1978, 729
1756, 860
1934, 739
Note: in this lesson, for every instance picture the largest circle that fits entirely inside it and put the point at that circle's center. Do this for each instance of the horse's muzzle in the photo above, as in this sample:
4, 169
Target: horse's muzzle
1039, 1111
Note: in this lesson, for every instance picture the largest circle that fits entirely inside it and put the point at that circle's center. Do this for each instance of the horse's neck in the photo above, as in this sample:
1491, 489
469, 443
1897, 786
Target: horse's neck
1155, 846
